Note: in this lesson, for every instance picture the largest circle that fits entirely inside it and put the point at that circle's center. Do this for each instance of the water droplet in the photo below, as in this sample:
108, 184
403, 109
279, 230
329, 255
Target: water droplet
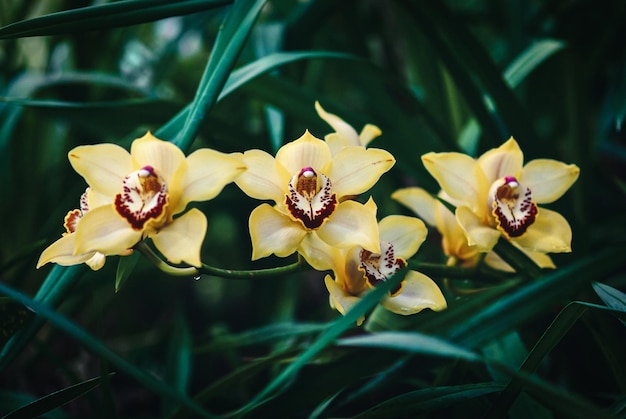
197, 278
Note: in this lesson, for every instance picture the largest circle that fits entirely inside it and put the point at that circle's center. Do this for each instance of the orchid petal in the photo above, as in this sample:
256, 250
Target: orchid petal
368, 133
208, 171
103, 166
406, 234
347, 135
352, 224
550, 233
354, 170
164, 156
306, 151
181, 240
420, 202
459, 176
263, 178
341, 300
478, 235
62, 252
273, 232
103, 230
418, 292
505, 160
548, 179
319, 254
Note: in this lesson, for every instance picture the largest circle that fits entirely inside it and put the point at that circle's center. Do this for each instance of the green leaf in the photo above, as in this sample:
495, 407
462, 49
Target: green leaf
417, 343
612, 297
111, 15
54, 400
328, 336
530, 59
228, 45
96, 346
125, 267
428, 399
550, 338
265, 334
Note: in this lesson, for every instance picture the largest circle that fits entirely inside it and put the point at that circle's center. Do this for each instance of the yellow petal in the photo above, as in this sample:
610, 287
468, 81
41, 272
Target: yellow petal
320, 255
459, 176
352, 224
420, 202
454, 241
104, 166
181, 240
263, 178
341, 300
346, 134
208, 171
368, 133
273, 232
354, 170
550, 233
418, 292
306, 151
406, 234
541, 259
104, 231
548, 179
506, 160
96, 262
62, 252
164, 156
479, 235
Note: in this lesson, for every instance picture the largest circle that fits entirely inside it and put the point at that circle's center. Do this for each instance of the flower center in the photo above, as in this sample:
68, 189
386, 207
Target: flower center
378, 268
144, 198
310, 199
513, 207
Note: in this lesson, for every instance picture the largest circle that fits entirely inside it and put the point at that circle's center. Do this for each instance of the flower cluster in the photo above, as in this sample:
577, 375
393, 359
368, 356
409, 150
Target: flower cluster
312, 185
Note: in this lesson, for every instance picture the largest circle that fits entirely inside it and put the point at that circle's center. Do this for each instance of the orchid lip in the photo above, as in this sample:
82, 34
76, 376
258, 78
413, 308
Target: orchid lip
513, 206
378, 268
144, 198
310, 199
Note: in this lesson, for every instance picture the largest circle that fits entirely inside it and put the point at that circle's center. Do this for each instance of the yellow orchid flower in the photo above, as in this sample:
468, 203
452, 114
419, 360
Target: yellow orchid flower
62, 250
345, 135
453, 239
357, 270
143, 191
496, 195
309, 187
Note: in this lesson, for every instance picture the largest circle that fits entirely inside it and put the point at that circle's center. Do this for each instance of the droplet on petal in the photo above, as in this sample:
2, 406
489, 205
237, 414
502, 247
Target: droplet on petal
310, 199
513, 207
144, 198
378, 268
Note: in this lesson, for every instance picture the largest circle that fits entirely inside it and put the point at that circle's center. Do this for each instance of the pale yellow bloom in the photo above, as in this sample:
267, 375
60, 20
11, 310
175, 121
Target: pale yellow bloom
454, 242
62, 250
311, 188
141, 193
496, 195
345, 135
357, 270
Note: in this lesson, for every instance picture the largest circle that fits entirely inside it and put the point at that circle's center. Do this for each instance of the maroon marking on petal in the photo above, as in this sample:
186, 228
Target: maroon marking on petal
309, 203
514, 214
71, 219
378, 268
137, 219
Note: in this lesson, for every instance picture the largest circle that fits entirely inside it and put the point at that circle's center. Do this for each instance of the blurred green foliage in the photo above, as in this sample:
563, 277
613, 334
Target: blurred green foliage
434, 76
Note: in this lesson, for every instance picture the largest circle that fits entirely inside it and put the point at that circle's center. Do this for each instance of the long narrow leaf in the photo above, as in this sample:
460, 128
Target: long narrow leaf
54, 400
111, 15
97, 347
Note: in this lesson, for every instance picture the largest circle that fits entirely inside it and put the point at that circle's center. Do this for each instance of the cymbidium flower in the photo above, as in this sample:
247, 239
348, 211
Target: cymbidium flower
496, 195
454, 242
344, 134
310, 187
62, 250
357, 270
141, 193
